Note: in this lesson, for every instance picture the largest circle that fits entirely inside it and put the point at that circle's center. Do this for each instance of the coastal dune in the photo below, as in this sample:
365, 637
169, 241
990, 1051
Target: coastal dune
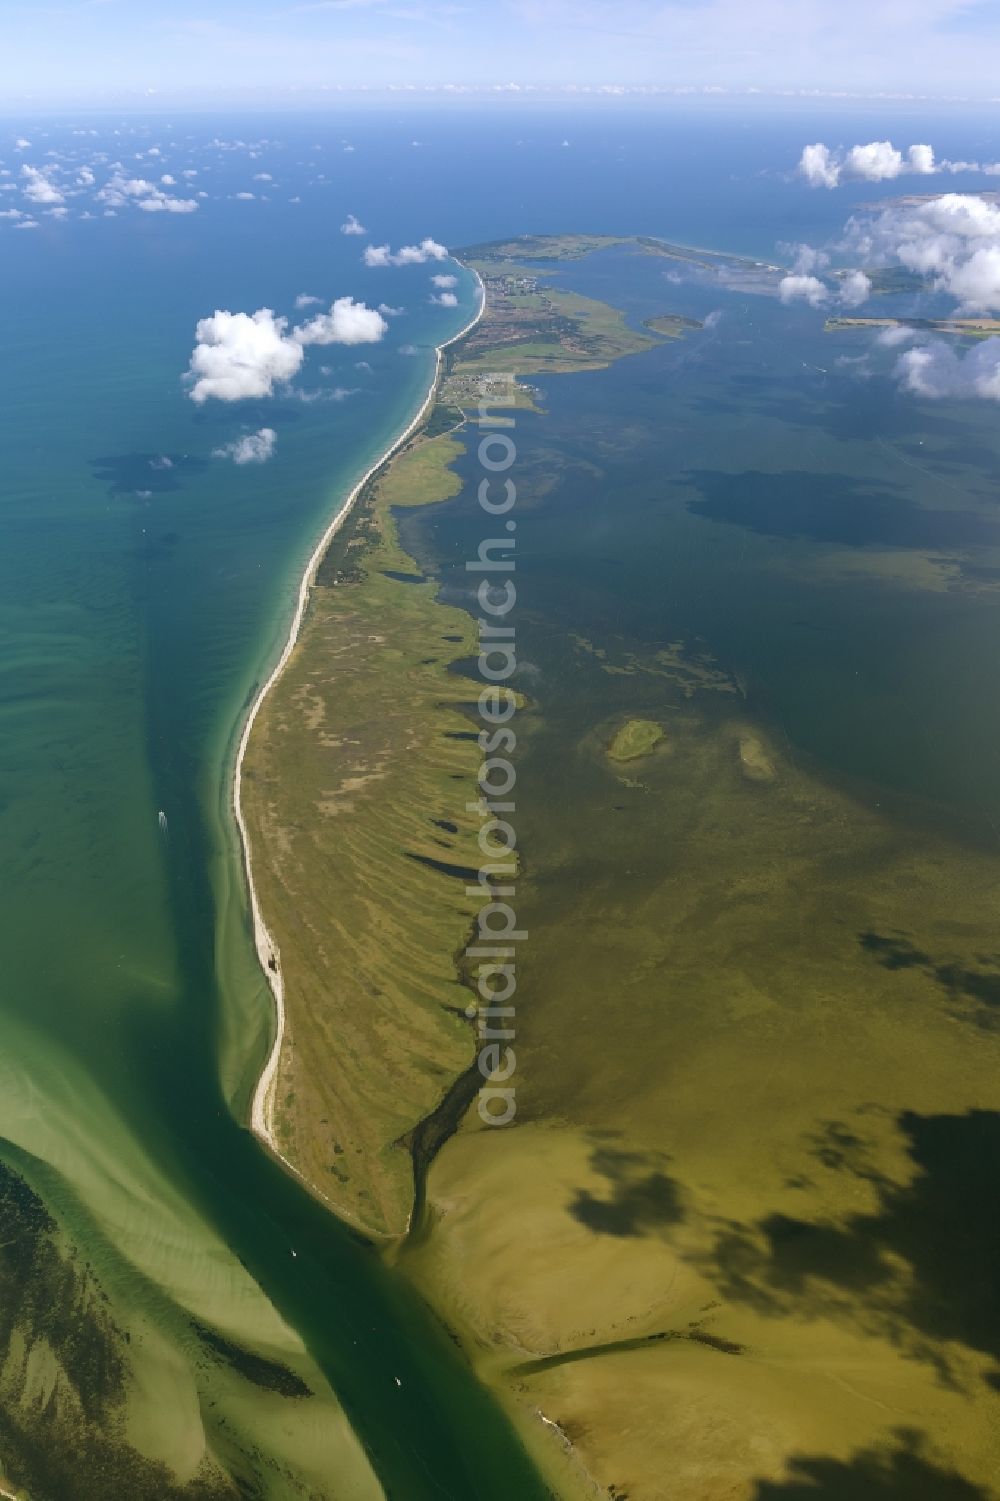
268, 953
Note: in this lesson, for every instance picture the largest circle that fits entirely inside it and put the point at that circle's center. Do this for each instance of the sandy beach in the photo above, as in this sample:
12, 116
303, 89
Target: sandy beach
267, 950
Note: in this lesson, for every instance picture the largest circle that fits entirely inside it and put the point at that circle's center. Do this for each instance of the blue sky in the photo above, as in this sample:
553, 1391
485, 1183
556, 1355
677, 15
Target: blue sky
80, 49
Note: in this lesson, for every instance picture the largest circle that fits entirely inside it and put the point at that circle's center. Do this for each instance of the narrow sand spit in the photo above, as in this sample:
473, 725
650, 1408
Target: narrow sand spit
261, 1111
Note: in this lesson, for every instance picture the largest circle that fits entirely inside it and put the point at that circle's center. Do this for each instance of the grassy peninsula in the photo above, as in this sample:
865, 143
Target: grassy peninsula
355, 781
354, 785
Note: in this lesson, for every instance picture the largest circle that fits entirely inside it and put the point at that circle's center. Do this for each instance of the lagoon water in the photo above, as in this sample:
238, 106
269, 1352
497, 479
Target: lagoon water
141, 602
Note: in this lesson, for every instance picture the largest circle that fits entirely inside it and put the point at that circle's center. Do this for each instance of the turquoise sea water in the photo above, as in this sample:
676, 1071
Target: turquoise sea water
135, 626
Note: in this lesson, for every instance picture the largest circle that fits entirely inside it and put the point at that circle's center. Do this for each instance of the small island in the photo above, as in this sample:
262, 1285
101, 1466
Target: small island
755, 763
965, 328
635, 738
672, 325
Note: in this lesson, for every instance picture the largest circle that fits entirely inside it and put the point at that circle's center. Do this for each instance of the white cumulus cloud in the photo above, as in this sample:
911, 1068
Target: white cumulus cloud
804, 258
937, 370
407, 255
976, 280
347, 322
851, 290
952, 240
120, 190
921, 160
802, 288
855, 288
253, 448
38, 188
238, 355
876, 161
817, 166
879, 161
416, 255
352, 226
900, 333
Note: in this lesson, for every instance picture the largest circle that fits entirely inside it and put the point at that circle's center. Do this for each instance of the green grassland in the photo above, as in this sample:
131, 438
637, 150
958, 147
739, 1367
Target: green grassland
538, 333
356, 782
541, 247
575, 247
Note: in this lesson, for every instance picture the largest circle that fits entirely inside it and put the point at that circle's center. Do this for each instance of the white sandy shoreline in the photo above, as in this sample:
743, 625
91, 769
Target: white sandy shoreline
261, 1110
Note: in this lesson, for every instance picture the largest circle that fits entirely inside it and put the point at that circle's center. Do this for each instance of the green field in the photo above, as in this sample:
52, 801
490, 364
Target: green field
355, 783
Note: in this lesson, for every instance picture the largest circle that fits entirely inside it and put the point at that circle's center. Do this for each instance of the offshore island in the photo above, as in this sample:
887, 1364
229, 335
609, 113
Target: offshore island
755, 1047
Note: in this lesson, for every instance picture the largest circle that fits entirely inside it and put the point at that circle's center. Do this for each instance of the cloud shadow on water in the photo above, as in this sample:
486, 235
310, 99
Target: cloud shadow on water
922, 1266
833, 508
895, 952
146, 473
903, 1473
641, 1198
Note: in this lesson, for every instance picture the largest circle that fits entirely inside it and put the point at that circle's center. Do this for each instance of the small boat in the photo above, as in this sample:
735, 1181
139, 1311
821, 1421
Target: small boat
162, 821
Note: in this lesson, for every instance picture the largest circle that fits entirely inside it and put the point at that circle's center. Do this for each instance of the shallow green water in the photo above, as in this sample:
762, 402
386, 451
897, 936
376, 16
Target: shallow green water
740, 491
734, 536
